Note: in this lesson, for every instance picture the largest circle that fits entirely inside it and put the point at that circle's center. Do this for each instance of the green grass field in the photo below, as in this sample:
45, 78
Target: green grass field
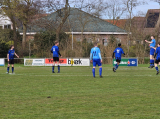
130, 93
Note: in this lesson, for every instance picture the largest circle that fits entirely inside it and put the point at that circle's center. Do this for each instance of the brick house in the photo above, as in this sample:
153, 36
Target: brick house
81, 25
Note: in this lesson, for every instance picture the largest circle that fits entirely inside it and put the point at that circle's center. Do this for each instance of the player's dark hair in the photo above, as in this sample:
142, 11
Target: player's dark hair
11, 46
153, 36
158, 43
56, 42
95, 43
119, 44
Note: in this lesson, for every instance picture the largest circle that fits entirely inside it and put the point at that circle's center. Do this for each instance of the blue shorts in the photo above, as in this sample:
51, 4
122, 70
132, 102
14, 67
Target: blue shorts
152, 50
97, 62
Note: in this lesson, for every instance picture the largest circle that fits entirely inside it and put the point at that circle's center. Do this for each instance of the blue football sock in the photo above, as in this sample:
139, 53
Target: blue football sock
58, 68
93, 71
12, 69
52, 68
156, 68
7, 69
115, 66
100, 71
150, 62
153, 62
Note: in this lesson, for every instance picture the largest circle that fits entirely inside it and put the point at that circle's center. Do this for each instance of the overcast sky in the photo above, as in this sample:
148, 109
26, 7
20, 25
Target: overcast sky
150, 5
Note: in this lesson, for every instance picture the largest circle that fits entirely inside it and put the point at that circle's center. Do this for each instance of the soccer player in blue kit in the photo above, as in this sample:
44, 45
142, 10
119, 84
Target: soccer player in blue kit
10, 57
95, 57
152, 50
118, 52
157, 57
56, 53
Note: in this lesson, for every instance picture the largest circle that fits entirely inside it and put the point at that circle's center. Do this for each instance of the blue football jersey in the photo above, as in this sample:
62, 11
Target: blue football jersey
95, 53
118, 52
153, 44
11, 54
55, 50
158, 53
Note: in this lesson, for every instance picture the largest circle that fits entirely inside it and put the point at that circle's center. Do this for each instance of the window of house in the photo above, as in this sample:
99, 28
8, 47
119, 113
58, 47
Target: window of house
105, 43
118, 40
89, 40
138, 42
7, 26
78, 39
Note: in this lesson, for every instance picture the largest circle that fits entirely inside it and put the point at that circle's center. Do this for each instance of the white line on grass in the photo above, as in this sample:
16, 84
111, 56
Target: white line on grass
79, 75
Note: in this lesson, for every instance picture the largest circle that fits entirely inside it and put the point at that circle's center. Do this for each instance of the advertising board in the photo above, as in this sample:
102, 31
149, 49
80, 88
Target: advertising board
127, 62
2, 62
33, 62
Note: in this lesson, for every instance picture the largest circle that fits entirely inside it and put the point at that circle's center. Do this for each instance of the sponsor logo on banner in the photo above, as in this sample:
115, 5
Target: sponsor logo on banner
34, 62
2, 63
49, 62
28, 62
79, 62
127, 62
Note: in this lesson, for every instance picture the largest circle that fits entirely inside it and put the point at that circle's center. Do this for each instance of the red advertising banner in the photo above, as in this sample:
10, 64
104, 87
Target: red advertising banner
49, 62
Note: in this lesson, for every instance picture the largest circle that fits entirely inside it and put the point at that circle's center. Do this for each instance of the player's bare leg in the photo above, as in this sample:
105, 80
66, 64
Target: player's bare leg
53, 67
100, 71
58, 66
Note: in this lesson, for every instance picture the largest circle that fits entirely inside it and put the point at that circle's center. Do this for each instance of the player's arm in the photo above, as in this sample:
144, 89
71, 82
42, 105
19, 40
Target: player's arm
8, 57
59, 53
113, 55
16, 55
123, 52
155, 55
91, 56
153, 47
100, 55
148, 41
51, 50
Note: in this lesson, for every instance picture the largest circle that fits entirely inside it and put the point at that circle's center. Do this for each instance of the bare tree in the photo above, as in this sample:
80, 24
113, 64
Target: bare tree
158, 23
9, 7
114, 10
130, 6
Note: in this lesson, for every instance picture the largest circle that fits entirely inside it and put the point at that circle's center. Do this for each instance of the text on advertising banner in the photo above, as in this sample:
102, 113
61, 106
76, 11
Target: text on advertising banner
33, 62
127, 62
78, 62
49, 62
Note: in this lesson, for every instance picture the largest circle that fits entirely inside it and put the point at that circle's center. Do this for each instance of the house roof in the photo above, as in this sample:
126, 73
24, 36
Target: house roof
78, 21
138, 22
120, 23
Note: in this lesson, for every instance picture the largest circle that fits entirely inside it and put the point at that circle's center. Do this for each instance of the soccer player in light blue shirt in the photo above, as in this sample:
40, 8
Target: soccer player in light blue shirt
152, 50
95, 57
118, 52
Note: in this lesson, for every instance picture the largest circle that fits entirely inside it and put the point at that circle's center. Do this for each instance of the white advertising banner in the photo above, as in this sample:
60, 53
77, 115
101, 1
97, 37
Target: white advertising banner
63, 62
2, 62
34, 62
78, 62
